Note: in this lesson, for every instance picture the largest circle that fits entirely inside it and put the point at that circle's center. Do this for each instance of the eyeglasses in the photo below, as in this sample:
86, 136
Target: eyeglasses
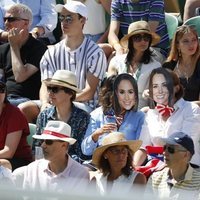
2, 89
13, 19
57, 89
68, 19
139, 37
172, 149
116, 151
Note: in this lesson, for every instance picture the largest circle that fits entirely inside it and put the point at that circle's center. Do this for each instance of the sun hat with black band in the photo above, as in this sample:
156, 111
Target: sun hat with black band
138, 28
64, 78
56, 130
74, 7
114, 139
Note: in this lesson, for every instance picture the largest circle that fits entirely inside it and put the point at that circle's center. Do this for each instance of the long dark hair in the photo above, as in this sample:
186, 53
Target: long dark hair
133, 82
146, 57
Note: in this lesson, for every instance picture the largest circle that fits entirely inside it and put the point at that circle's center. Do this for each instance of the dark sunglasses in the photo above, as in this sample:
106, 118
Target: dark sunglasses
118, 151
172, 149
2, 89
68, 19
13, 19
140, 37
57, 89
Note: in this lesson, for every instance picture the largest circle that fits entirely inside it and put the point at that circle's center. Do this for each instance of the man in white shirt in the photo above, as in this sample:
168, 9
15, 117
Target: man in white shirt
57, 171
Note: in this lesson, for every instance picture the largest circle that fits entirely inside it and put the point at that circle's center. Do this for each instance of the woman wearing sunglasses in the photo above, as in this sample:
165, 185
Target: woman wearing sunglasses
169, 113
62, 89
14, 149
116, 175
119, 100
139, 61
184, 60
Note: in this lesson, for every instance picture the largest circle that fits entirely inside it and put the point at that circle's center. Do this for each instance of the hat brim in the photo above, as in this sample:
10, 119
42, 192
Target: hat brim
55, 82
155, 37
168, 141
134, 145
59, 7
51, 137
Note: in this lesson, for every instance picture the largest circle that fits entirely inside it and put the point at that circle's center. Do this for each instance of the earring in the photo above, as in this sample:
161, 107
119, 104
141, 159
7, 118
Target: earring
179, 53
105, 157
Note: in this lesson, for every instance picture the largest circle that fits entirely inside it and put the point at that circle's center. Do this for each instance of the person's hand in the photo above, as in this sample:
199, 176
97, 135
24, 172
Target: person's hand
119, 49
145, 94
16, 37
37, 32
107, 128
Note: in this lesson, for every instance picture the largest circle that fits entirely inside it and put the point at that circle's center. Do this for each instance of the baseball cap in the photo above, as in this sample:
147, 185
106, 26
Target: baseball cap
74, 7
180, 138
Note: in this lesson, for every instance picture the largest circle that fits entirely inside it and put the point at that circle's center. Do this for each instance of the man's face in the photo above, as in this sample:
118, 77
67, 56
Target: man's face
12, 20
71, 23
53, 149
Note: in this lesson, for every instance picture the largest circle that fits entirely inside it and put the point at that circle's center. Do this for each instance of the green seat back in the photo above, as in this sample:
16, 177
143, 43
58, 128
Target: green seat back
32, 128
194, 21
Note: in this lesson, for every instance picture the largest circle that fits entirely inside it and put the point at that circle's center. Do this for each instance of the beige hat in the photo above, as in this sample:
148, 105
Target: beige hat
137, 28
56, 130
64, 78
114, 139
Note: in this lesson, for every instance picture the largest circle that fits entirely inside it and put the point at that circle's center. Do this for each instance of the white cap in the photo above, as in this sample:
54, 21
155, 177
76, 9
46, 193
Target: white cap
74, 7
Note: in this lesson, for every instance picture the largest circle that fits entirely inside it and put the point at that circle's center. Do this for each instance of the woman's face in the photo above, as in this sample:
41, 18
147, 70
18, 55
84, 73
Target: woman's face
117, 156
188, 44
2, 93
126, 95
141, 42
160, 90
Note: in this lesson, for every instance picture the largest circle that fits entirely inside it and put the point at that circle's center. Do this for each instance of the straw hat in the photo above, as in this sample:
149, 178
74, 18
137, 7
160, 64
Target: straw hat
137, 28
56, 130
114, 139
64, 78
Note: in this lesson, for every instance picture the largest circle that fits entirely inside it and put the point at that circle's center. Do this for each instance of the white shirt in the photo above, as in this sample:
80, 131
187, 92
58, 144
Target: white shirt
185, 118
37, 175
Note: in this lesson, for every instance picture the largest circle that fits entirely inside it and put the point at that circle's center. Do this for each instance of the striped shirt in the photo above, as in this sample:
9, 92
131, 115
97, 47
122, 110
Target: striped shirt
187, 188
88, 57
128, 11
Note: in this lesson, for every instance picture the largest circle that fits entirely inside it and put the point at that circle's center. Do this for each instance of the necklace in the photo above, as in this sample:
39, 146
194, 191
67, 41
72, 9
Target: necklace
184, 71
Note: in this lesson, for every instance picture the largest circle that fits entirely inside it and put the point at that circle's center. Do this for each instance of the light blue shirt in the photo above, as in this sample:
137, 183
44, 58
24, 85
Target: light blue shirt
131, 127
43, 13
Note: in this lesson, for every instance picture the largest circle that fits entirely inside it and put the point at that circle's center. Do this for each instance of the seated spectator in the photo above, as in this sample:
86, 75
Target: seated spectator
190, 9
57, 172
118, 112
21, 56
62, 89
184, 60
14, 149
44, 19
139, 60
123, 13
179, 179
75, 53
114, 161
169, 113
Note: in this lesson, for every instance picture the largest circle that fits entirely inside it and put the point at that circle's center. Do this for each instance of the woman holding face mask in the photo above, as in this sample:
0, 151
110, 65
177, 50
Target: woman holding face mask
139, 61
169, 113
121, 102
14, 149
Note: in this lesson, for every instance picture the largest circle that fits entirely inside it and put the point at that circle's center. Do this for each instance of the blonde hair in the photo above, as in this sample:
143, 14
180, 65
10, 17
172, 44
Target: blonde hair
174, 53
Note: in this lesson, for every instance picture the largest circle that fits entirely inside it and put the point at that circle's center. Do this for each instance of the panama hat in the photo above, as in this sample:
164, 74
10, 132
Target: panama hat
114, 139
137, 28
64, 78
74, 7
56, 130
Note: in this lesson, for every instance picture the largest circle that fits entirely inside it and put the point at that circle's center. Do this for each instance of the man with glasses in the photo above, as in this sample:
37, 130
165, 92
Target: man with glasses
179, 178
20, 57
57, 172
75, 53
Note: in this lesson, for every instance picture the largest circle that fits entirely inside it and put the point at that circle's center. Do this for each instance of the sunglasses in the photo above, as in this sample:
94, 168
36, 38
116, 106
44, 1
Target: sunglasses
118, 151
68, 19
2, 89
172, 149
140, 37
13, 19
55, 90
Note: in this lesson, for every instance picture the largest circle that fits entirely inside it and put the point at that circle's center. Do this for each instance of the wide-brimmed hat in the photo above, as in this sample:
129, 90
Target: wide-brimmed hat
56, 130
137, 28
64, 78
74, 7
114, 139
